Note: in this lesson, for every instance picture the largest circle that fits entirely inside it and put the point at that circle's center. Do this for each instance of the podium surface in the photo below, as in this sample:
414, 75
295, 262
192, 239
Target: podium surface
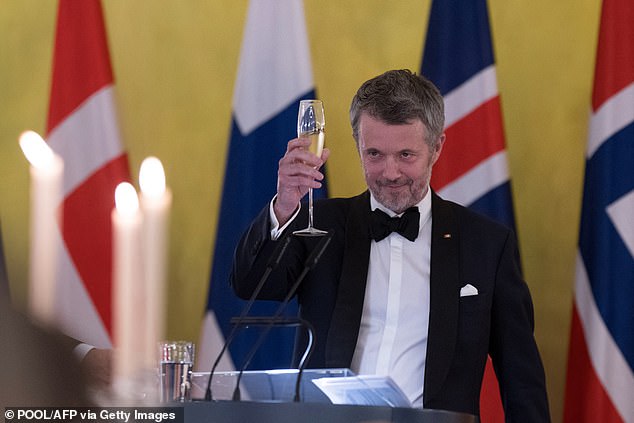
266, 385
268, 397
269, 412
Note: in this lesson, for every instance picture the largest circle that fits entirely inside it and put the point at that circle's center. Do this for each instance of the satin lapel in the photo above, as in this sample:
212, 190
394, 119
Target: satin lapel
346, 318
444, 296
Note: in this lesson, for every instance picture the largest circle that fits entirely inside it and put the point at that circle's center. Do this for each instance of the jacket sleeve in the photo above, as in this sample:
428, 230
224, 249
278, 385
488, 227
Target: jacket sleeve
252, 256
513, 349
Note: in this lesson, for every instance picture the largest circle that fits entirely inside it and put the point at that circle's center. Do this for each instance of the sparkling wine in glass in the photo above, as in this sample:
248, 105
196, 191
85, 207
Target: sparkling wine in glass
311, 124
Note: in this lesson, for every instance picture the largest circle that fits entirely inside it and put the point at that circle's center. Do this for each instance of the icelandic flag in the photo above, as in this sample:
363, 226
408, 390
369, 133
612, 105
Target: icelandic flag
82, 128
274, 74
600, 379
473, 171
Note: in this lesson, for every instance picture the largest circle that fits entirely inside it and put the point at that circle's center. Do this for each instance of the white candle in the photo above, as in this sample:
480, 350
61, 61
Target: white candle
156, 200
46, 193
127, 286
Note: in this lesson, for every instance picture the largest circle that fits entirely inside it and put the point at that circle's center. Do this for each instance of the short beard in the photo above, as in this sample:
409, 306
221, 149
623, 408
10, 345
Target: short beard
399, 202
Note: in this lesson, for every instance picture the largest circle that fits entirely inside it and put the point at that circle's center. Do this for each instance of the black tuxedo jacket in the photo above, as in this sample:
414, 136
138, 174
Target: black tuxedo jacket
466, 248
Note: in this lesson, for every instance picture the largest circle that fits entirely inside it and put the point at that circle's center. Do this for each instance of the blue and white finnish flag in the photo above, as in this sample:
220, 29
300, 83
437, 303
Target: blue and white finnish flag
274, 74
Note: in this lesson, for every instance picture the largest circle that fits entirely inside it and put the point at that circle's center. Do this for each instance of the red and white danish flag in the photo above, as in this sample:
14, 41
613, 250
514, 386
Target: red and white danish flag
82, 128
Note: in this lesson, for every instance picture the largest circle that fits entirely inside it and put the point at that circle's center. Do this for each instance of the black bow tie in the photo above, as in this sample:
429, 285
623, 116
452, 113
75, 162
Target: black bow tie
381, 225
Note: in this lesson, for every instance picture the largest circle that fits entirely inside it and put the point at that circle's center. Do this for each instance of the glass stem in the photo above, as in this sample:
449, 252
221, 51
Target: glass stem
310, 208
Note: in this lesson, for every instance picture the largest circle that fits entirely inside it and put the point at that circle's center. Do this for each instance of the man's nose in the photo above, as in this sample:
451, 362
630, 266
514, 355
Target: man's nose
391, 170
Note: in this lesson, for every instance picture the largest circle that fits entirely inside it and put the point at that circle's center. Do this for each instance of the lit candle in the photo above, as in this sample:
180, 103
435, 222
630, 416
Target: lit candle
156, 200
46, 192
127, 287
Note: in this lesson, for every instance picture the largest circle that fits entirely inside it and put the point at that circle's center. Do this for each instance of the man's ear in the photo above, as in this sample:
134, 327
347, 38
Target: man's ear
438, 148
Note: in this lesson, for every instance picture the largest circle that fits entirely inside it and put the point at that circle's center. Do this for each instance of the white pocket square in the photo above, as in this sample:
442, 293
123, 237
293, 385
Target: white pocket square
468, 290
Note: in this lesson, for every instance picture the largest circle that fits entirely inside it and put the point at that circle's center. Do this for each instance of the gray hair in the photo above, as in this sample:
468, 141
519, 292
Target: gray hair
399, 97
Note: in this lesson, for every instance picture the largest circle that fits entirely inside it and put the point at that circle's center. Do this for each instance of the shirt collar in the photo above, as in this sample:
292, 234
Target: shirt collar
424, 207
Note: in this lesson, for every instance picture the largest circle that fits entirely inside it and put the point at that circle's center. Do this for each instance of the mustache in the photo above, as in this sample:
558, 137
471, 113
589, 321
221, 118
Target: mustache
398, 181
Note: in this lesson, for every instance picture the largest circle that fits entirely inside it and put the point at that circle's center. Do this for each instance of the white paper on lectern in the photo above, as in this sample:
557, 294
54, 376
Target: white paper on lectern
363, 390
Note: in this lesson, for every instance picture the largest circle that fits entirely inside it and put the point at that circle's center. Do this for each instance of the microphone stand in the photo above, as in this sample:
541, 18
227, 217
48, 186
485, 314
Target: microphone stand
307, 353
292, 321
273, 262
311, 261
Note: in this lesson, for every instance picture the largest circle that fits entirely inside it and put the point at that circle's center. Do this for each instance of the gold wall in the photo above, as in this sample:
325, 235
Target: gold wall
175, 64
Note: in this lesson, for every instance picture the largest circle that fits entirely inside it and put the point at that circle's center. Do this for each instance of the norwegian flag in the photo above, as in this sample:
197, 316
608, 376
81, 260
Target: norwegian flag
600, 379
473, 171
82, 128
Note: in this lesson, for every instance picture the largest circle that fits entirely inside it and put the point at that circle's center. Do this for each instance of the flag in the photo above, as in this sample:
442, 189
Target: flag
274, 74
82, 128
600, 377
473, 171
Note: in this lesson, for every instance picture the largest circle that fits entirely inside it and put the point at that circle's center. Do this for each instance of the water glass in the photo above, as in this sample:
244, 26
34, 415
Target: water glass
175, 367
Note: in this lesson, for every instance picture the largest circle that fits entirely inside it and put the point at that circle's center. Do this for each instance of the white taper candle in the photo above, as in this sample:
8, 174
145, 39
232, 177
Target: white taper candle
128, 298
156, 201
46, 170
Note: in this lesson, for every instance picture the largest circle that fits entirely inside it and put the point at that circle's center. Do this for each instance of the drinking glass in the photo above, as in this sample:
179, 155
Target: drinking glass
311, 124
175, 367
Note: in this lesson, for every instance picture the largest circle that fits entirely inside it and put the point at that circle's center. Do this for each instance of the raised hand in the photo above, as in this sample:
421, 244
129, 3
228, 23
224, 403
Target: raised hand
298, 171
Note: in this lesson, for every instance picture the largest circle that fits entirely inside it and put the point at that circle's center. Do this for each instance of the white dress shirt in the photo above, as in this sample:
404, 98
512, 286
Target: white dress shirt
393, 334
276, 231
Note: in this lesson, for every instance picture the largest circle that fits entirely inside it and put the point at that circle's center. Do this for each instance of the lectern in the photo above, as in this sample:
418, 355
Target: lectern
326, 395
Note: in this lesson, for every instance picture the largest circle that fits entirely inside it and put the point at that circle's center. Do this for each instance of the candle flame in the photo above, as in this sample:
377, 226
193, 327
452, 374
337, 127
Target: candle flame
152, 177
126, 199
36, 150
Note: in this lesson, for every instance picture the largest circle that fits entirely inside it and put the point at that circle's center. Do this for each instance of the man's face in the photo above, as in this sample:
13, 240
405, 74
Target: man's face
396, 161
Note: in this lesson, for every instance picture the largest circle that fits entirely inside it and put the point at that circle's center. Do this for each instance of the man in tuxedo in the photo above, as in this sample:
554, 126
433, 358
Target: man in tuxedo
95, 363
37, 367
411, 286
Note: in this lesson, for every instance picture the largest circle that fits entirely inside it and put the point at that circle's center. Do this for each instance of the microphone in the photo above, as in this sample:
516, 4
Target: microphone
288, 321
310, 262
273, 262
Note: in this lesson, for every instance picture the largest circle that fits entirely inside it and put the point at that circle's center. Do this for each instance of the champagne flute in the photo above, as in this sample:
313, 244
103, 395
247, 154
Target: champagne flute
311, 124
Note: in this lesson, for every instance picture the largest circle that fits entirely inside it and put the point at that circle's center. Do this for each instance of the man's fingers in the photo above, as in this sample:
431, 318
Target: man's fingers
299, 181
297, 151
324, 155
296, 143
300, 169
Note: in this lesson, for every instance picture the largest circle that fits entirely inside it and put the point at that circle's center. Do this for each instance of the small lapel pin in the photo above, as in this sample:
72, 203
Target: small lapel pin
446, 236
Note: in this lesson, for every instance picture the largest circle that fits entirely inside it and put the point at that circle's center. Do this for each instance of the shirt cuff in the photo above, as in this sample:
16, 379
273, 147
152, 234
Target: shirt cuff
81, 350
276, 231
